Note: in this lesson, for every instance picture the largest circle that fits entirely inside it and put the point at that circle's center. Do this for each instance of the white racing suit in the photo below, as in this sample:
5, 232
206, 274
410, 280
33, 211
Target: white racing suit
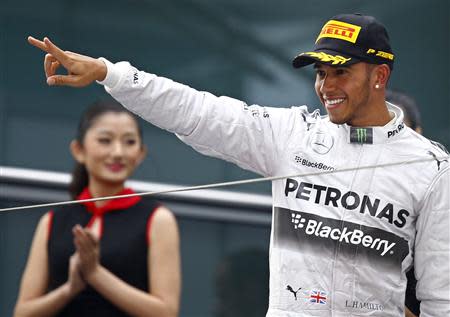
341, 242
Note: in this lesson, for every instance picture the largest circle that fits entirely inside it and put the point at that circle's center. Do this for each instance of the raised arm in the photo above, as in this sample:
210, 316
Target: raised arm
81, 70
33, 299
163, 266
252, 137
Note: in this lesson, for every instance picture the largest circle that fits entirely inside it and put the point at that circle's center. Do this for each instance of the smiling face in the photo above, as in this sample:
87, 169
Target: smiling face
348, 93
111, 150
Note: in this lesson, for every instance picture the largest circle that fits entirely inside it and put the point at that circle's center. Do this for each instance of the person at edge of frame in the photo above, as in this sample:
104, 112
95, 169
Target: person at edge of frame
110, 258
413, 120
345, 238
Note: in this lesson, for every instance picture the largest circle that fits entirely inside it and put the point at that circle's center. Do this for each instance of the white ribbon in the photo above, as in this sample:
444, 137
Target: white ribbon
216, 185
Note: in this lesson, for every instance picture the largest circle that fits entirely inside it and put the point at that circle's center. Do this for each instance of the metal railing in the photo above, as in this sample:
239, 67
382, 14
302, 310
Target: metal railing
30, 186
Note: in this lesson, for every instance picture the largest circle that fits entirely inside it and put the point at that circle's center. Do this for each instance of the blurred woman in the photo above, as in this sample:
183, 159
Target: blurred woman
106, 258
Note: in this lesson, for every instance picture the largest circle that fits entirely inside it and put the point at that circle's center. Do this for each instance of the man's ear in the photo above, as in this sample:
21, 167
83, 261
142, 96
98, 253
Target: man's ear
382, 74
77, 151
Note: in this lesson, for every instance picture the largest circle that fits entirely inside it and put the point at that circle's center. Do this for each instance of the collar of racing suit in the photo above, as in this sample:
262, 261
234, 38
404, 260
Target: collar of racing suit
377, 135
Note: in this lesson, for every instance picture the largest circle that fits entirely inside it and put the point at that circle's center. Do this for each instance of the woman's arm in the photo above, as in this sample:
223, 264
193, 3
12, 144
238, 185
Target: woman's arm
32, 299
163, 270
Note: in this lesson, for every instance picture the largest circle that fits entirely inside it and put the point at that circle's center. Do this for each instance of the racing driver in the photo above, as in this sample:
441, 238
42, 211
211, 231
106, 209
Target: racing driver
376, 198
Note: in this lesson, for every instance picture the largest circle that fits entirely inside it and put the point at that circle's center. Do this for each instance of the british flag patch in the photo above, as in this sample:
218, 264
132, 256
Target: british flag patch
318, 297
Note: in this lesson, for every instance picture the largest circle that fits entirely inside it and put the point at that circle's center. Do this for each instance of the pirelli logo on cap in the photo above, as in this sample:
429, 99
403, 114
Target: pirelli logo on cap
340, 30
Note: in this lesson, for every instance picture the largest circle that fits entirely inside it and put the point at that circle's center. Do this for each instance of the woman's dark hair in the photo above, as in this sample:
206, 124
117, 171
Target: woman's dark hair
408, 105
80, 177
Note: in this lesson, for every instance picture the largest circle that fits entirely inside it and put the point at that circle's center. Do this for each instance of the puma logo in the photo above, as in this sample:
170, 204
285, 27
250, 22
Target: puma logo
438, 162
289, 288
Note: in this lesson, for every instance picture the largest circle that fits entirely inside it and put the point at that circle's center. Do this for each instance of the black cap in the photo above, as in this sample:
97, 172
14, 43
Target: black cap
348, 39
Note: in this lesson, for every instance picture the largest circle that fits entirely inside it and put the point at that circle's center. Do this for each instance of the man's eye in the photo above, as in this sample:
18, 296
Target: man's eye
320, 73
341, 71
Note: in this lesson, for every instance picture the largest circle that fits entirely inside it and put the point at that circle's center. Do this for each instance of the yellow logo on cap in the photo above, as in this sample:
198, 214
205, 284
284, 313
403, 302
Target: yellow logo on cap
327, 58
340, 30
380, 54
